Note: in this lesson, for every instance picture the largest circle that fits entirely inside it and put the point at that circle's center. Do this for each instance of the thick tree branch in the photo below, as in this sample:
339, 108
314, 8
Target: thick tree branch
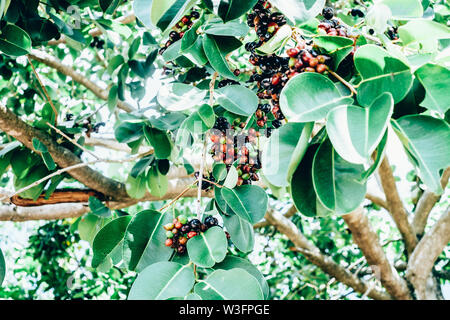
325, 263
15, 127
54, 63
395, 204
377, 200
426, 203
367, 240
424, 256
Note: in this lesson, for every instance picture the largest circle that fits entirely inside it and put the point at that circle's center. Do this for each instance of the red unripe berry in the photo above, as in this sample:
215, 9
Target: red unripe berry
310, 69
321, 68
313, 62
259, 114
276, 80
182, 240
169, 242
260, 123
178, 225
243, 160
237, 72
191, 234
240, 182
293, 52
298, 65
215, 138
185, 20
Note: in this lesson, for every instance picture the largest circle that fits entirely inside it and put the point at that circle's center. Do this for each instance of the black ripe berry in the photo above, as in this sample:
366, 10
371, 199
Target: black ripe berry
195, 224
357, 13
210, 221
328, 13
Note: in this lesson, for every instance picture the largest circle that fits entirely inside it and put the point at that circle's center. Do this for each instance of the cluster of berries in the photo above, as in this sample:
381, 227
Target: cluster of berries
332, 26
181, 230
180, 28
231, 143
393, 33
97, 43
265, 22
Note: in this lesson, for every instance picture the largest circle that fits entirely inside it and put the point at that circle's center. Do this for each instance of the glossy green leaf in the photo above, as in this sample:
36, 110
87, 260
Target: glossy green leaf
381, 73
309, 97
219, 171
229, 10
225, 284
403, 9
128, 132
356, 131
231, 29
216, 57
2, 267
280, 38
208, 248
160, 141
424, 33
232, 262
232, 178
379, 157
299, 11
237, 99
337, 47
241, 232
249, 202
14, 41
202, 120
163, 280
136, 187
191, 35
98, 208
144, 240
157, 183
336, 180
436, 80
278, 153
179, 96
426, 139
108, 238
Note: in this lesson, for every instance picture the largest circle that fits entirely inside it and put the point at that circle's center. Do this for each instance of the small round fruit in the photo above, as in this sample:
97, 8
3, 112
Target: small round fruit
191, 234
185, 229
292, 52
169, 234
182, 219
178, 225
195, 224
181, 249
182, 240
169, 226
328, 13
169, 242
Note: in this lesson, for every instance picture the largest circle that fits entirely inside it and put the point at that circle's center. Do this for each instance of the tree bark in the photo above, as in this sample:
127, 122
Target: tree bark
367, 240
424, 256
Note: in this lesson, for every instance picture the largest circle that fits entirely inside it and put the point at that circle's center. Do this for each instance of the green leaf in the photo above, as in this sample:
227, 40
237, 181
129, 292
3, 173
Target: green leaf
377, 162
309, 97
436, 80
278, 41
229, 10
216, 57
169, 121
89, 225
208, 248
302, 188
134, 47
337, 47
299, 11
403, 9
163, 280
232, 178
202, 120
136, 187
249, 202
237, 99
278, 153
228, 285
108, 238
381, 73
356, 131
157, 184
144, 240
424, 33
98, 208
179, 96
336, 180
113, 98
166, 14
14, 41
2, 267
219, 171
142, 10
173, 52
48, 161
426, 140
231, 29
38, 145
128, 132
191, 35
160, 141
241, 232
232, 262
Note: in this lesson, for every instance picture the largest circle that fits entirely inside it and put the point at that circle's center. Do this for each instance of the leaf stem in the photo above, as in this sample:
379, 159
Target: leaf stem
343, 81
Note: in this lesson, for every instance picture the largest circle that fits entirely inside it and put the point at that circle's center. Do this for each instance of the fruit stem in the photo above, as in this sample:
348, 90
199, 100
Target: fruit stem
178, 196
343, 81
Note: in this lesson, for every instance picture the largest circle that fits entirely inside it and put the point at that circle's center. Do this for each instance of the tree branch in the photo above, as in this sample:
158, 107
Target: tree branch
15, 127
54, 63
377, 200
424, 256
426, 203
367, 240
395, 204
325, 263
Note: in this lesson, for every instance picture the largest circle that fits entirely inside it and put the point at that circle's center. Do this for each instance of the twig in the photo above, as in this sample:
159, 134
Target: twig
76, 166
344, 82
178, 196
73, 141
44, 89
